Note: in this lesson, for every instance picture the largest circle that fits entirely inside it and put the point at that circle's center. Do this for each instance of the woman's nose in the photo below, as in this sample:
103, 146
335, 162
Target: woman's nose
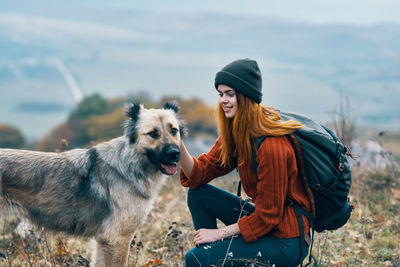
222, 99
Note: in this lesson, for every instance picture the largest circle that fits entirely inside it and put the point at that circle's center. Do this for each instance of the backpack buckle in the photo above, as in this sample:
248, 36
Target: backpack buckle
340, 167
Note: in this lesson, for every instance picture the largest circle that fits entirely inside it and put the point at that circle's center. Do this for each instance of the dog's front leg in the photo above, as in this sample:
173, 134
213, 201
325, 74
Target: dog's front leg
110, 254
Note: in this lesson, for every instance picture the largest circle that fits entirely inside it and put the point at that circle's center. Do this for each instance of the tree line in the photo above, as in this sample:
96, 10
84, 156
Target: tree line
96, 119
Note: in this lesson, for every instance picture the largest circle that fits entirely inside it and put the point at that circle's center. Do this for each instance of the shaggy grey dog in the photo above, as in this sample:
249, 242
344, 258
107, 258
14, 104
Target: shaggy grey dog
105, 191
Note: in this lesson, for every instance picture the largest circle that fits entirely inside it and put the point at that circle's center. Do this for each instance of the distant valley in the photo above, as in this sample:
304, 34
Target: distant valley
49, 62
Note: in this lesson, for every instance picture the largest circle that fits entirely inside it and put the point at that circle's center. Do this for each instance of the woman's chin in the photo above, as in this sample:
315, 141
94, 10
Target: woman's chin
229, 115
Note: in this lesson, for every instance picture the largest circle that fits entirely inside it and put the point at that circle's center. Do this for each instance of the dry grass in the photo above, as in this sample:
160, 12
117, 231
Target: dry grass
370, 238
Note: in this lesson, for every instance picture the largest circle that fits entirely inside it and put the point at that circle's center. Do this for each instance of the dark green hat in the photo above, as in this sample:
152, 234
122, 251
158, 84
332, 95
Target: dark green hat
244, 76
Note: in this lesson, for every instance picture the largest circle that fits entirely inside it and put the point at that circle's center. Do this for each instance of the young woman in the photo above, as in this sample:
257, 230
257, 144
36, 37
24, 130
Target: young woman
267, 229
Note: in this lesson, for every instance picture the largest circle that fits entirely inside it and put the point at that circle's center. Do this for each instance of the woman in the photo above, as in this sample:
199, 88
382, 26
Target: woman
267, 231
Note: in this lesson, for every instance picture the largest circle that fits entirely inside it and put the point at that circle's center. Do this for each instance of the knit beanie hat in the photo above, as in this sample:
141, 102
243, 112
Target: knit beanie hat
244, 76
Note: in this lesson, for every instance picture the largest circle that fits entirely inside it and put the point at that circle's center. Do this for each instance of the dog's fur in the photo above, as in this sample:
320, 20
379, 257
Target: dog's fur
105, 191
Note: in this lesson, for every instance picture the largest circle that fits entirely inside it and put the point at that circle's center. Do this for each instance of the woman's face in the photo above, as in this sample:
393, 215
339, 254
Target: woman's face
227, 100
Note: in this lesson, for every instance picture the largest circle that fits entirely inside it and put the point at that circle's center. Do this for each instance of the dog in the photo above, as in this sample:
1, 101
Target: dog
104, 192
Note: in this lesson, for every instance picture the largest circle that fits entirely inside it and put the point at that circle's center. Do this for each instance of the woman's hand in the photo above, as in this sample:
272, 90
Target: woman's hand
202, 236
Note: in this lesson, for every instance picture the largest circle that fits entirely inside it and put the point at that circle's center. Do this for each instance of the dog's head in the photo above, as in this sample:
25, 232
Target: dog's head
157, 134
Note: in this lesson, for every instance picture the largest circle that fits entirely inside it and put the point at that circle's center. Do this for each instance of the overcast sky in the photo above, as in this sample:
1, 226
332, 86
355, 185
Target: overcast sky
360, 12
364, 12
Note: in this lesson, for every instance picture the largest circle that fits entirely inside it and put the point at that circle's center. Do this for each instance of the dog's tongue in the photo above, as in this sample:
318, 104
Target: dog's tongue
170, 169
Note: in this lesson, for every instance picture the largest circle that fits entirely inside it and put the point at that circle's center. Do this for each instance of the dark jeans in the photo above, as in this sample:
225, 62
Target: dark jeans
208, 203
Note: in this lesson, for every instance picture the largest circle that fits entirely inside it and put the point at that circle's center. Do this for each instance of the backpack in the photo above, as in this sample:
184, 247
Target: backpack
322, 159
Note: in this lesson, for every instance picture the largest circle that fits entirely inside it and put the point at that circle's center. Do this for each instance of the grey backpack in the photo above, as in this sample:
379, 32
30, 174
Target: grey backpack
327, 171
322, 159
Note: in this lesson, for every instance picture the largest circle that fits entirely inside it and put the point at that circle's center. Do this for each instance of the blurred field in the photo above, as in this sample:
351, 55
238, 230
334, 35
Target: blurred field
391, 142
370, 238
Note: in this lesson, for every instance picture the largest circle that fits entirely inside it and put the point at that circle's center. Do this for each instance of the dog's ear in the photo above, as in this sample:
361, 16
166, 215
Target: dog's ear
171, 105
132, 110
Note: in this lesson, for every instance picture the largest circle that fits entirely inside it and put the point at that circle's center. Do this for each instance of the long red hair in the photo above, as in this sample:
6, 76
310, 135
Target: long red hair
250, 121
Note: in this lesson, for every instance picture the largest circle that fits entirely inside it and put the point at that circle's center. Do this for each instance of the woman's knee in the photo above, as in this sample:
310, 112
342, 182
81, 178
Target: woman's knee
191, 259
195, 193
192, 198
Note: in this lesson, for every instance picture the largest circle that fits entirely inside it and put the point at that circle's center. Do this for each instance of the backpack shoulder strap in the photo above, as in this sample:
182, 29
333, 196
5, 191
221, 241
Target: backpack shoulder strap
297, 208
301, 172
256, 145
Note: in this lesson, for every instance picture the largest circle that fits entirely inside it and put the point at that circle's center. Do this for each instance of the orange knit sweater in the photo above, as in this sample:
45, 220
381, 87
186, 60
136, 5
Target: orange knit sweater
278, 180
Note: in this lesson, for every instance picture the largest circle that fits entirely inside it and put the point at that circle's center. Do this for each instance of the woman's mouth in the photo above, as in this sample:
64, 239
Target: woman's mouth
227, 109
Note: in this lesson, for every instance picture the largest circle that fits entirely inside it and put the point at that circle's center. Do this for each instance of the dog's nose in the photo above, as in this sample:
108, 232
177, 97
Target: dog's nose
173, 153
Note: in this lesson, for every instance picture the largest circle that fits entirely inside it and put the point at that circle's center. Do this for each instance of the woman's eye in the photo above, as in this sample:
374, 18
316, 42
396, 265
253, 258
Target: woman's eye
153, 134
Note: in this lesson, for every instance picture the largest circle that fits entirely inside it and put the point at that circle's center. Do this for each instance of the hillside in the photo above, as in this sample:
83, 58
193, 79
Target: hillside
121, 51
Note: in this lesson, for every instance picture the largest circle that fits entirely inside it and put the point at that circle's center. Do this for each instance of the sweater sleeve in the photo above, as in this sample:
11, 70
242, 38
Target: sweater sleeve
273, 158
206, 167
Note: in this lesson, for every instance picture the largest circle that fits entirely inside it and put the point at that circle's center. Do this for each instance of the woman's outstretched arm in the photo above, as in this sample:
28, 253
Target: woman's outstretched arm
186, 161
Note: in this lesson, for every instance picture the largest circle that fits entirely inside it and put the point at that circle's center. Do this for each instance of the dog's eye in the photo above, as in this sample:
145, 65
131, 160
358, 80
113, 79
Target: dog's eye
153, 134
174, 131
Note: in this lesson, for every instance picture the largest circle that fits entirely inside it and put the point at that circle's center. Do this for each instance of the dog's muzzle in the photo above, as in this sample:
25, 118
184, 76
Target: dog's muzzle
167, 159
